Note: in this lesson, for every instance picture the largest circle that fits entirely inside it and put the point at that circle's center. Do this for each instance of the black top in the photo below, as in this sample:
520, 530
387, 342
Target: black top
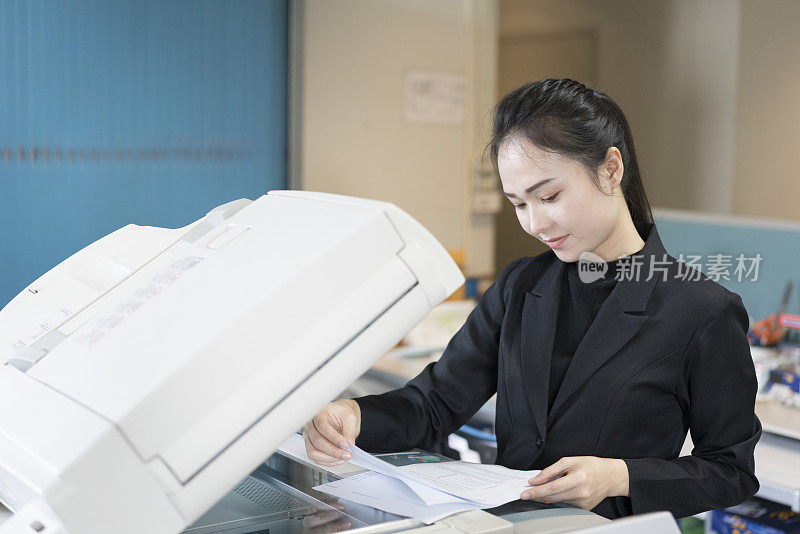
579, 304
663, 356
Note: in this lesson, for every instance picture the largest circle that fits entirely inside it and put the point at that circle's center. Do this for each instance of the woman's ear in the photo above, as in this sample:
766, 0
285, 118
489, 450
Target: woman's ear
612, 168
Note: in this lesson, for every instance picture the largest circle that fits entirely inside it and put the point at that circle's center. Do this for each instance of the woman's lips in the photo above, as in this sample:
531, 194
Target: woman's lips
557, 242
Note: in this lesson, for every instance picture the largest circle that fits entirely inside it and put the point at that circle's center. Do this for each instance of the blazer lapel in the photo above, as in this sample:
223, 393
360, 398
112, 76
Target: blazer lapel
619, 319
539, 315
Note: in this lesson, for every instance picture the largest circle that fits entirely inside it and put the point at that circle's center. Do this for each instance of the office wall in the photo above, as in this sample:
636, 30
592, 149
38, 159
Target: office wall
681, 93
355, 138
767, 178
549, 53
672, 67
689, 74
709, 86
710, 89
117, 112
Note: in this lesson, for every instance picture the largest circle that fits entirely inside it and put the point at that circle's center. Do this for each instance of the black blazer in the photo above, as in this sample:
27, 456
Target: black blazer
663, 356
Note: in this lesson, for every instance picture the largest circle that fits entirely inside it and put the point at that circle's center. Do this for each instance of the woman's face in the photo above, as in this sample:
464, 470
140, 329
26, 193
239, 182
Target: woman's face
555, 196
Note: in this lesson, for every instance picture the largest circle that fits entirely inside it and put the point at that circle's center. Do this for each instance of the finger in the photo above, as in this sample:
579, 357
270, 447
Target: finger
314, 454
549, 473
337, 425
324, 460
324, 423
576, 498
323, 445
313, 451
349, 423
309, 446
330, 447
556, 490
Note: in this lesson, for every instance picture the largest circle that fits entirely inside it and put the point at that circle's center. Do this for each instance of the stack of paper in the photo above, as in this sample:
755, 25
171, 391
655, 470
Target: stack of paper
428, 491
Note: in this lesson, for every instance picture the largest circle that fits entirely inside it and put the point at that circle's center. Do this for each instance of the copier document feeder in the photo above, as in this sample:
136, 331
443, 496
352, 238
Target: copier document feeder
146, 375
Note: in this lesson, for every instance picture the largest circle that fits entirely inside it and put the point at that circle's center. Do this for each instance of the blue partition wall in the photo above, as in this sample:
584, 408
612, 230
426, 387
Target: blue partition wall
145, 112
776, 243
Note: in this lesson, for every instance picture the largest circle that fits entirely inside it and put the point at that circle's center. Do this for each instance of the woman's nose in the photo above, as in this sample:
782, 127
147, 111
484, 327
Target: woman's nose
537, 224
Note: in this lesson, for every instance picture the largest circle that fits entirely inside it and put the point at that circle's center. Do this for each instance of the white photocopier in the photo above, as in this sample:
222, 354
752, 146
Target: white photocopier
150, 373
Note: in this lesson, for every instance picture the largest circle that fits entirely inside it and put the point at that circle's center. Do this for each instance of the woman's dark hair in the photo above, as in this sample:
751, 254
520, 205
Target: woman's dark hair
568, 118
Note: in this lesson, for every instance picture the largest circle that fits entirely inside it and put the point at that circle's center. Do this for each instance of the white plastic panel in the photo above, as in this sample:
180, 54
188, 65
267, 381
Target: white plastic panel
55, 450
198, 323
192, 353
78, 281
293, 365
254, 446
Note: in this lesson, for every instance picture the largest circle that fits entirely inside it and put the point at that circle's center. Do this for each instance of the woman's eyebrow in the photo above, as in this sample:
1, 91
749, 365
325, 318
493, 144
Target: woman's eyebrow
532, 188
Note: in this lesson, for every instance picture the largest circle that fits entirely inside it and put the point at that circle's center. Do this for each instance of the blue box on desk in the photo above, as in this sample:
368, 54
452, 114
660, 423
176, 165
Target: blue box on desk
786, 378
756, 516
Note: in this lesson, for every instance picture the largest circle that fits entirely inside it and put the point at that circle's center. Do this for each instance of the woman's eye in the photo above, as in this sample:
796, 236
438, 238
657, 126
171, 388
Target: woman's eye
519, 206
550, 199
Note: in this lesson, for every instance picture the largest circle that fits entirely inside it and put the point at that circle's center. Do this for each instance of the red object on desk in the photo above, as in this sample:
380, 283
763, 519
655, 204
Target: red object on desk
768, 330
789, 320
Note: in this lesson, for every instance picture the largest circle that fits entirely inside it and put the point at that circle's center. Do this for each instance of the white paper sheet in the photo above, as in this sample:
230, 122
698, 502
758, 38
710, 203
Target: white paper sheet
487, 485
428, 491
424, 491
296, 446
391, 495
434, 97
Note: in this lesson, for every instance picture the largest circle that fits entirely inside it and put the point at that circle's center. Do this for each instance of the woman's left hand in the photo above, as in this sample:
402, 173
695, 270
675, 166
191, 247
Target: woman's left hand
586, 481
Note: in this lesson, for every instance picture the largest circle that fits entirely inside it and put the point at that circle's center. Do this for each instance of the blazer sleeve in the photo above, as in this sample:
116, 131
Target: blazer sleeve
721, 387
447, 392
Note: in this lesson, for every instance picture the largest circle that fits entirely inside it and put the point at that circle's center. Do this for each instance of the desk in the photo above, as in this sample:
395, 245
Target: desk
778, 454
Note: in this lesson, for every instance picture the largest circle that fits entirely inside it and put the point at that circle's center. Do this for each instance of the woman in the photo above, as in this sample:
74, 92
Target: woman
597, 380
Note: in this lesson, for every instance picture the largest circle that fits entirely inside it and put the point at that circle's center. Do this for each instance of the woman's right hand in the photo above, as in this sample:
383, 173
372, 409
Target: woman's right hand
329, 434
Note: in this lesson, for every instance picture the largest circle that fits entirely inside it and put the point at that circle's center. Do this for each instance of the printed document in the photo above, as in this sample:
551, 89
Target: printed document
428, 491
391, 495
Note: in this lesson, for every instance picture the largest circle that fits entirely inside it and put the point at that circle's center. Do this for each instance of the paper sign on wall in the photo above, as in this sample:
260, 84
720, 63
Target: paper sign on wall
434, 97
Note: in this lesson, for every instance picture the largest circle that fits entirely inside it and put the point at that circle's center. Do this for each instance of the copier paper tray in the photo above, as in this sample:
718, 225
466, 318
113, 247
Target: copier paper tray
148, 374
